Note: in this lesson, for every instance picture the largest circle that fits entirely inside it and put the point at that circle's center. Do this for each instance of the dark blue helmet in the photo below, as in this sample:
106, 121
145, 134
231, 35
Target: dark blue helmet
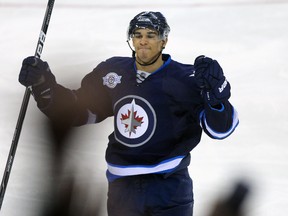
149, 19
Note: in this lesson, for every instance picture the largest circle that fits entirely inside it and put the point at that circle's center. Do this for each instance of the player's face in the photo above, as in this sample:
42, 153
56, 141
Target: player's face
147, 44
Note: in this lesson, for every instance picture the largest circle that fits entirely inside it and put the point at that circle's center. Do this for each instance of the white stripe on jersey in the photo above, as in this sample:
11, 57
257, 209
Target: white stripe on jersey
131, 170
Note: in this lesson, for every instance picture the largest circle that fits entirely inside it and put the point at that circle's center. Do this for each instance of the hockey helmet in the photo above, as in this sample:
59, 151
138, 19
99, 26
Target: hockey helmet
149, 19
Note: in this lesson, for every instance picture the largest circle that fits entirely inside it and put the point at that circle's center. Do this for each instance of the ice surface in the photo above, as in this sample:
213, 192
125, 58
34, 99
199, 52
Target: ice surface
248, 38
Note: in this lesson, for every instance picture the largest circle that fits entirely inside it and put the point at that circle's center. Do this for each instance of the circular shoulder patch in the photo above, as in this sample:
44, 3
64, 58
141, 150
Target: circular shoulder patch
111, 79
135, 121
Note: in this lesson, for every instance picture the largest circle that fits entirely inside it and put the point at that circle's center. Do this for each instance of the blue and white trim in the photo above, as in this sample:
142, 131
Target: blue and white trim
219, 135
130, 170
92, 118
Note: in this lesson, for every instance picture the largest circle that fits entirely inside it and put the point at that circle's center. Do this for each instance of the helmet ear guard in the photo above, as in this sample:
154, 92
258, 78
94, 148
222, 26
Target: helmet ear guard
153, 20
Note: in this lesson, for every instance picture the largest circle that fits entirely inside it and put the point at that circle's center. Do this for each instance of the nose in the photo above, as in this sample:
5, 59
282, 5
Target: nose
143, 41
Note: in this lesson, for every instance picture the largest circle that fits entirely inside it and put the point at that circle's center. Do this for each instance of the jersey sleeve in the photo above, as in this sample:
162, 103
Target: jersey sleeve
88, 104
219, 122
95, 96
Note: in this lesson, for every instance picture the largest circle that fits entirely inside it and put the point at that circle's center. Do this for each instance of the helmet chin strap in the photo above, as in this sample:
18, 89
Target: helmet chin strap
144, 64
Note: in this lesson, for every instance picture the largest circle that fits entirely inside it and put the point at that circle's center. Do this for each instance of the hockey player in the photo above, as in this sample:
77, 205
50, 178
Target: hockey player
160, 108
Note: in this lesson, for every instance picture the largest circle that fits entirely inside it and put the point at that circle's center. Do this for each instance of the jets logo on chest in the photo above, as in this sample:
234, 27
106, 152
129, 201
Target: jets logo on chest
135, 121
131, 120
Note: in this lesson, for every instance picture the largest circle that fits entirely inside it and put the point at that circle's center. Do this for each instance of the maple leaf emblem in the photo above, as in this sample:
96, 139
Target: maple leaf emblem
131, 120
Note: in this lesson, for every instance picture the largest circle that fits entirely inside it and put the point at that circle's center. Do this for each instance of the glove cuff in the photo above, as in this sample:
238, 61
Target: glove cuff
41, 91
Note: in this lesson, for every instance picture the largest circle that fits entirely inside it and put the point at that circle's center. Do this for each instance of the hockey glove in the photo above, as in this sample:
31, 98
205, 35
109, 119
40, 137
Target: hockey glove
36, 73
210, 78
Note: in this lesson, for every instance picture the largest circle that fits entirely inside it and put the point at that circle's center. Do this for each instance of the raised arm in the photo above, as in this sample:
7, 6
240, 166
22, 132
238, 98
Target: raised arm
219, 118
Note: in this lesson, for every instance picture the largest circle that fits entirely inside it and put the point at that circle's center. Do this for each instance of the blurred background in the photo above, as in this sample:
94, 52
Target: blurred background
249, 38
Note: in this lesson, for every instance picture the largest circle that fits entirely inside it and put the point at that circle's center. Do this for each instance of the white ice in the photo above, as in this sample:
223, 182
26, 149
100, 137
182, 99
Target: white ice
248, 37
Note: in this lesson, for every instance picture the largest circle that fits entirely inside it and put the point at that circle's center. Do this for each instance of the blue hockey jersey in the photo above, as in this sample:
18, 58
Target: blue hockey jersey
157, 122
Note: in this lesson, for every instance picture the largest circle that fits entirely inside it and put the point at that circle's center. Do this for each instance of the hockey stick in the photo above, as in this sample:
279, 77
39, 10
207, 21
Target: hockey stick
24, 105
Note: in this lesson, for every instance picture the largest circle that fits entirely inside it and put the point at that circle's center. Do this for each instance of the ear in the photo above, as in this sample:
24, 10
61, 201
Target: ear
164, 43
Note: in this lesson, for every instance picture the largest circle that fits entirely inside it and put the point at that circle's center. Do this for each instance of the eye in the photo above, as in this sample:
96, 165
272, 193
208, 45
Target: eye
151, 36
137, 35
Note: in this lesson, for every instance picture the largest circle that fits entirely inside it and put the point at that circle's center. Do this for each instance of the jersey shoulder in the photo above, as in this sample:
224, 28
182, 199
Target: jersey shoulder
180, 70
117, 61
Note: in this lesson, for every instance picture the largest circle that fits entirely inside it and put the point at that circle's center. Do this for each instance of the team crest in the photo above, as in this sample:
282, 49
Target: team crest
131, 120
135, 121
111, 79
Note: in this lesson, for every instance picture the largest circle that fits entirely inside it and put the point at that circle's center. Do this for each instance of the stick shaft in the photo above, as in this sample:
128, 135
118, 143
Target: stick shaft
24, 105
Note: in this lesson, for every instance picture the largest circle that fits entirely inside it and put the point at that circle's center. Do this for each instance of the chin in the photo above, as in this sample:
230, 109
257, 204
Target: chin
143, 57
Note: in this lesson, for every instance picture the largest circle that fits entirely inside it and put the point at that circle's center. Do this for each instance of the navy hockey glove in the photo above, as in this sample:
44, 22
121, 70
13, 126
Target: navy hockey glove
36, 73
210, 78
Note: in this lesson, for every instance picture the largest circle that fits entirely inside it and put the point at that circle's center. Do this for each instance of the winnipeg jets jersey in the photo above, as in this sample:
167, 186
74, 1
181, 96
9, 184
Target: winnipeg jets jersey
158, 119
